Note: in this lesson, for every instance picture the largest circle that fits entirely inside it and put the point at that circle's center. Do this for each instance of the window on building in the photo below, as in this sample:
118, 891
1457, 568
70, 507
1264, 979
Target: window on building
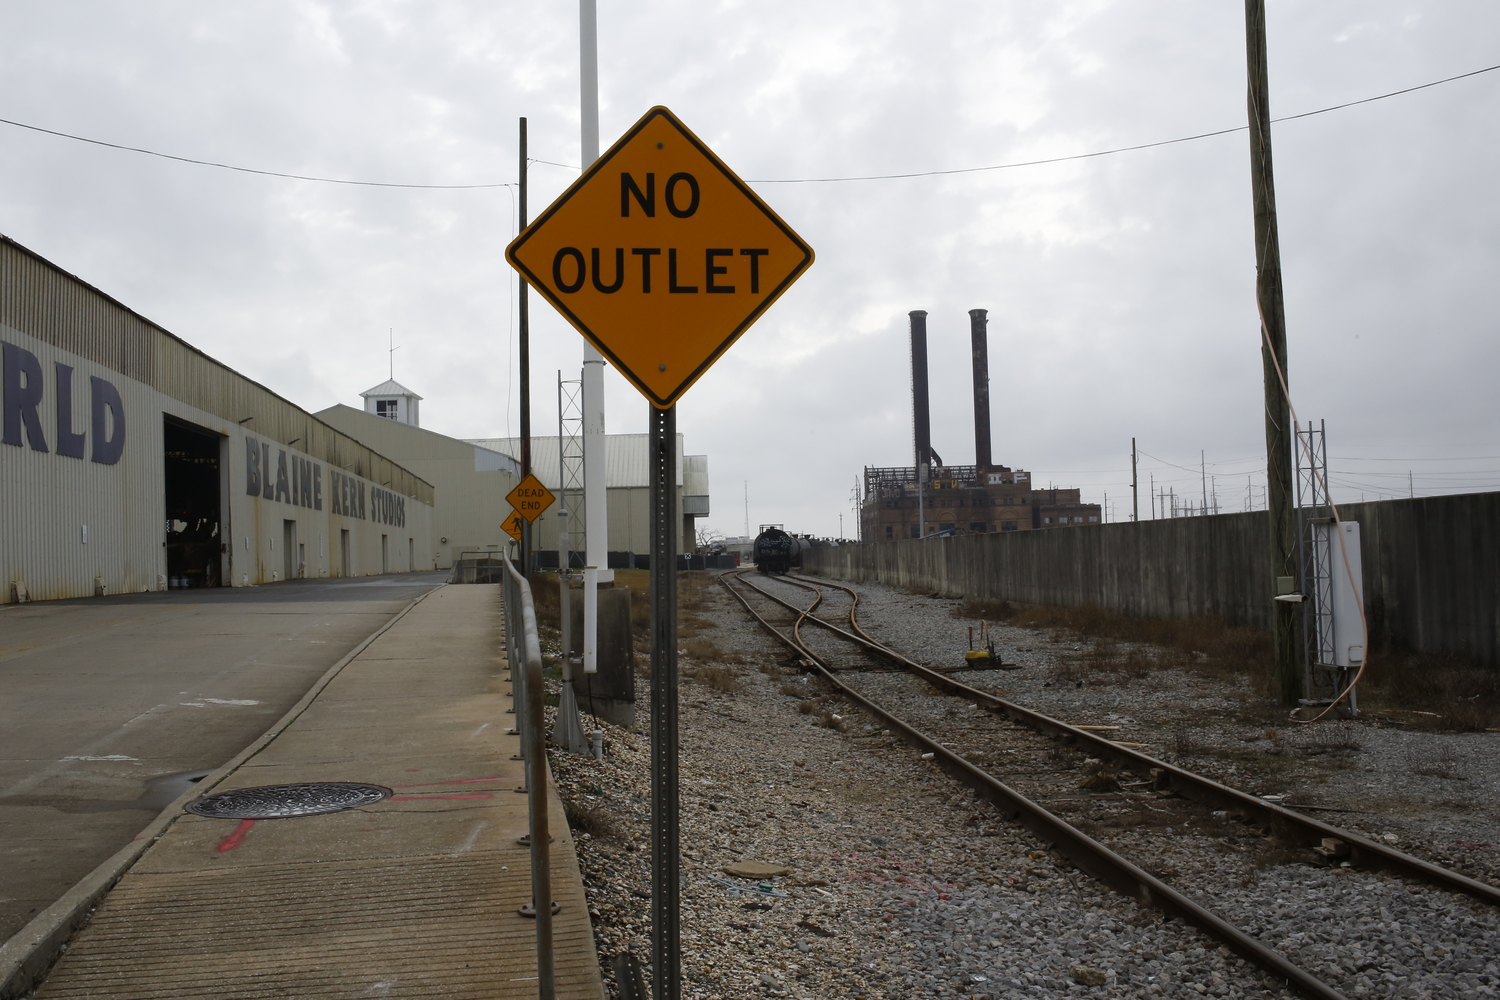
915, 531
1010, 501
979, 527
890, 532
1046, 520
1008, 526
386, 408
1077, 520
948, 526
1093, 517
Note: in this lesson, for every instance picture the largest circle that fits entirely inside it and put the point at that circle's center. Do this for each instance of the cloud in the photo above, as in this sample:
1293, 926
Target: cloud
1119, 289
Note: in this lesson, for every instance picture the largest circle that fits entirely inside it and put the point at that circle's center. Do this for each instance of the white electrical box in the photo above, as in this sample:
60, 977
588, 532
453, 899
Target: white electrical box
1346, 592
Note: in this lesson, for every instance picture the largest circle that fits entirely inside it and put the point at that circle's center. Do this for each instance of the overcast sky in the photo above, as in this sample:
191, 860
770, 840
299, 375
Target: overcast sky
1120, 288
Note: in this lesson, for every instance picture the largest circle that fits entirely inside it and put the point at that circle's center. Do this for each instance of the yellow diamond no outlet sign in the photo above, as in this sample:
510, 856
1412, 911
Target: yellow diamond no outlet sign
661, 256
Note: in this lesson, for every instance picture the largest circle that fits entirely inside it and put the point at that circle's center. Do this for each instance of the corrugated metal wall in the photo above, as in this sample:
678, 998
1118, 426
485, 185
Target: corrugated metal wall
42, 300
69, 522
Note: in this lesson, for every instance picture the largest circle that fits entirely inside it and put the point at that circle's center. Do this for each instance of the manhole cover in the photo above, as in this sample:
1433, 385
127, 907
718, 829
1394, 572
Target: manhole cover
278, 801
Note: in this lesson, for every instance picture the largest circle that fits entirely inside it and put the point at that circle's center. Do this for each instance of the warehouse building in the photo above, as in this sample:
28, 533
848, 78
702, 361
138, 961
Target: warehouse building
469, 482
131, 461
471, 479
628, 478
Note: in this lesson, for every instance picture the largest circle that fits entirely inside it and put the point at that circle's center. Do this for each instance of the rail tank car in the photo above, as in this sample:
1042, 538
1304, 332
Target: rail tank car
776, 551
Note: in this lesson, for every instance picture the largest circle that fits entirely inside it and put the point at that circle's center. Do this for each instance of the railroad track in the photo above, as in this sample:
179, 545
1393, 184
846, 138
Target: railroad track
1041, 747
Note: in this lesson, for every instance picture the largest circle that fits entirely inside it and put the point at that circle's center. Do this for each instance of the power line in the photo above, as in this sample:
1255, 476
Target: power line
247, 170
1101, 152
794, 180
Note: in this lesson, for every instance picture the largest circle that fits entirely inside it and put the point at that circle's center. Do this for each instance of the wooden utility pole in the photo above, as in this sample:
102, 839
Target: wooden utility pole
1279, 501
1135, 490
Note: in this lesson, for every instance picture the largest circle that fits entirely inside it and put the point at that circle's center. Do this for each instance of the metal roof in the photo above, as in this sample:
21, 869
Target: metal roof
390, 387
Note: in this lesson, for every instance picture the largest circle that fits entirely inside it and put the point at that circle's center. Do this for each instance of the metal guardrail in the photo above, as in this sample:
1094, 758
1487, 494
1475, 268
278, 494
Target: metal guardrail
523, 650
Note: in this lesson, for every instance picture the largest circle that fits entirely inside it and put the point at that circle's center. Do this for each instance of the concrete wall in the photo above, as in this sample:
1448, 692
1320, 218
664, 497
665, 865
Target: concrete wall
1431, 569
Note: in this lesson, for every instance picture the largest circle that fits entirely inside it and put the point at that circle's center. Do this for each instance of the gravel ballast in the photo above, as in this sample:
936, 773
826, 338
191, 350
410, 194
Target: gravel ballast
901, 883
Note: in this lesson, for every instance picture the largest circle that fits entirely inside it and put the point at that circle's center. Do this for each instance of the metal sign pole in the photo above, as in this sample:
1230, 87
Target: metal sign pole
666, 879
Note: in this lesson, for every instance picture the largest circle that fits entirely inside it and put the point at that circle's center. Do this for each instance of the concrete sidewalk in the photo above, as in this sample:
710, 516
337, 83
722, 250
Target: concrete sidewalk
415, 896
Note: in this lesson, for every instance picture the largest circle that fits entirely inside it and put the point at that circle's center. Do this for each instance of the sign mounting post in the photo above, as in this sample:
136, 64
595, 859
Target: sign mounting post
662, 258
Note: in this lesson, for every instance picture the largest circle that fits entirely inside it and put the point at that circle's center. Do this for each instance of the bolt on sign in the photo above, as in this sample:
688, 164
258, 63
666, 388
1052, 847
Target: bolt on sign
512, 525
530, 498
661, 256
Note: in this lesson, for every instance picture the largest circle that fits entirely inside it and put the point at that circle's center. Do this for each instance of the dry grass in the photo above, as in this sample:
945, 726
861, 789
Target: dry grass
593, 818
831, 721
1448, 766
1432, 691
1203, 643
544, 597
721, 680
1101, 776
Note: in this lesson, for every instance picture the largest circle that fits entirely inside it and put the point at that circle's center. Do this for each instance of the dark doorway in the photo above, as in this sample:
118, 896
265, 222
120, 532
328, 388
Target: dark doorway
194, 535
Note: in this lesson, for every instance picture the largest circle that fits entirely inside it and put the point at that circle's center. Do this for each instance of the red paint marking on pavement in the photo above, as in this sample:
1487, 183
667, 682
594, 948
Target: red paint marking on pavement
461, 781
433, 798
236, 838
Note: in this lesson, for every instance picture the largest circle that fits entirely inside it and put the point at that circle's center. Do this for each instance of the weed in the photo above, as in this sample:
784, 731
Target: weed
1432, 691
831, 721
1327, 738
1447, 766
1274, 736
792, 690
719, 679
807, 707
1099, 776
702, 649
595, 819
1184, 745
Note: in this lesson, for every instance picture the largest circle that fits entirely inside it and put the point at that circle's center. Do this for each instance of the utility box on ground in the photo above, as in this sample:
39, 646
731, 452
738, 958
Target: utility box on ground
610, 693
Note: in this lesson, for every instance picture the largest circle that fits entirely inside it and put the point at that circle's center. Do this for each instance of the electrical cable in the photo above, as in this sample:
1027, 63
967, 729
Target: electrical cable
248, 170
1097, 153
791, 180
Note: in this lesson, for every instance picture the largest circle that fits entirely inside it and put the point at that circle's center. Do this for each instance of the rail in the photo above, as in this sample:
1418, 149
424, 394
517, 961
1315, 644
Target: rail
522, 647
1289, 825
1088, 854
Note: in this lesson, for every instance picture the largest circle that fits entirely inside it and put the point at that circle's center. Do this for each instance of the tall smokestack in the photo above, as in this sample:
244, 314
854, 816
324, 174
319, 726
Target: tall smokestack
978, 325
920, 416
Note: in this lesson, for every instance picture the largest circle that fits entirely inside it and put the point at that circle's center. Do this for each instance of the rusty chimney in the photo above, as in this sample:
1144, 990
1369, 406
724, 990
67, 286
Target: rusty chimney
920, 416
979, 337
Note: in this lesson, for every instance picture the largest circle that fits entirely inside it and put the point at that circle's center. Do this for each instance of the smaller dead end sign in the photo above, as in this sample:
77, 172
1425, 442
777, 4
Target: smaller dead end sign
512, 525
530, 498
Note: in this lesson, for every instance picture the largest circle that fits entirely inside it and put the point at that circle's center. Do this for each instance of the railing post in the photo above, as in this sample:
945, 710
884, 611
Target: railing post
533, 740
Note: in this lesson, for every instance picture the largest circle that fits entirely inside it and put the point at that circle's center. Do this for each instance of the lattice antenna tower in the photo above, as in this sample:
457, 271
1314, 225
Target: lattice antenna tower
1315, 557
570, 466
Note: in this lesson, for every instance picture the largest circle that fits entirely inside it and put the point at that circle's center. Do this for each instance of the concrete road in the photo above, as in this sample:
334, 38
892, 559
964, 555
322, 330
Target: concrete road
110, 706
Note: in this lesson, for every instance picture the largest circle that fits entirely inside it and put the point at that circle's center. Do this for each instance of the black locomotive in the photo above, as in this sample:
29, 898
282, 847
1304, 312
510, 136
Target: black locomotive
776, 551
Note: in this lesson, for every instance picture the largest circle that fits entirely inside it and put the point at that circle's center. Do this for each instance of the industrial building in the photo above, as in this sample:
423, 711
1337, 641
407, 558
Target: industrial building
134, 462
931, 498
469, 482
628, 477
471, 478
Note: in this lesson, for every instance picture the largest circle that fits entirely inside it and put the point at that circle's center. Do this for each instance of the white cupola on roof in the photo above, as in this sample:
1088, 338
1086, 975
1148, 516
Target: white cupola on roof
394, 401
